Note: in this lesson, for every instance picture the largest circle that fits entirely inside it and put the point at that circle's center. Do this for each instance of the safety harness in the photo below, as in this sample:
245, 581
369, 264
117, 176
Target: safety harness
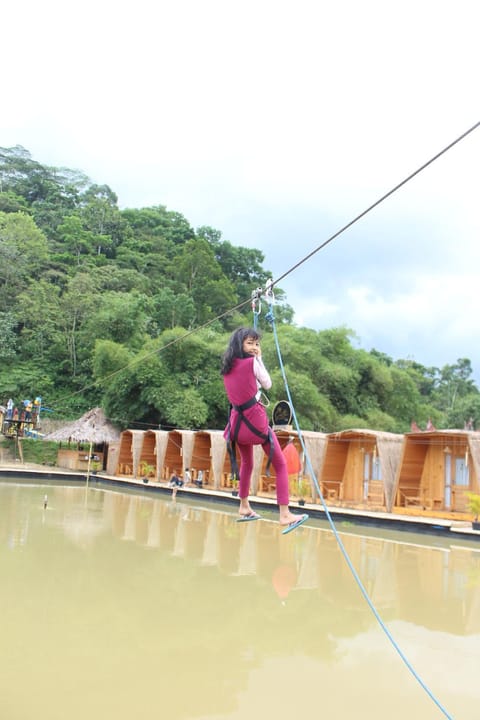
232, 435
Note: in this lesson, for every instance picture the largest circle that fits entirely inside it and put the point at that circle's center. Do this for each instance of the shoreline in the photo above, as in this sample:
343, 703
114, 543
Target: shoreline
394, 521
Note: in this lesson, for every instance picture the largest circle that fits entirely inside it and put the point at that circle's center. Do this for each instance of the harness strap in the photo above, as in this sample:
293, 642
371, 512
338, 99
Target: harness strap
250, 403
232, 438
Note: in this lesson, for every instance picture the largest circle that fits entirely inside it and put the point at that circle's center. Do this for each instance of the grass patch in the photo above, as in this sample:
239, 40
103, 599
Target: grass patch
40, 452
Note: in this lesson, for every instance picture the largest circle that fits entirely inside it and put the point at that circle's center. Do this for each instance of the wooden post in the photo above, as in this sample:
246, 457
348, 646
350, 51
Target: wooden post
20, 449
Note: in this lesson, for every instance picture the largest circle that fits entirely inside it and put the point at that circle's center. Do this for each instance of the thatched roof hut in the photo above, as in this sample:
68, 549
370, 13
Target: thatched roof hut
92, 427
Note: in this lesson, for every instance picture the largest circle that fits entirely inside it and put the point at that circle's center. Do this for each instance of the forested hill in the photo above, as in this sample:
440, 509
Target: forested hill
93, 299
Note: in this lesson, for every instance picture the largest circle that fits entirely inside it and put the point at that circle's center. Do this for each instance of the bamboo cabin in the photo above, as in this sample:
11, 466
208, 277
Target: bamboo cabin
360, 468
218, 452
188, 440
315, 445
152, 453
148, 455
201, 460
301, 483
173, 461
131, 442
438, 468
268, 483
430, 470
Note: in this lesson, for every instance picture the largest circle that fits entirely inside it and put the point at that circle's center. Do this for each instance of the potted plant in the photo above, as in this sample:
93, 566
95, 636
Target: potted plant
473, 504
304, 489
146, 470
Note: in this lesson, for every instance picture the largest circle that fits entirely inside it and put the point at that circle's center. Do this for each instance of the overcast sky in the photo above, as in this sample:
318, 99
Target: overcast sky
277, 123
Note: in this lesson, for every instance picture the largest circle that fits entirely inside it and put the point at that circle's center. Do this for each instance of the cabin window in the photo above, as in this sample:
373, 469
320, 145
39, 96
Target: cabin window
462, 474
376, 469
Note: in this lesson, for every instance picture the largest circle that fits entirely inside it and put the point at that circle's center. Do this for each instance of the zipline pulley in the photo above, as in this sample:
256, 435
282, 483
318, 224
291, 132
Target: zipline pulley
256, 305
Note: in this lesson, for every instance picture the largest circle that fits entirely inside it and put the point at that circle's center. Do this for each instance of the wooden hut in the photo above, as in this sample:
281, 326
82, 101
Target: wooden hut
218, 451
314, 458
94, 432
131, 442
437, 469
201, 458
188, 439
152, 453
311, 463
148, 455
360, 468
268, 483
173, 461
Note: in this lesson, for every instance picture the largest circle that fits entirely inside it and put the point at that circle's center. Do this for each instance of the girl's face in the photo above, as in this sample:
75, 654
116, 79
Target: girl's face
251, 346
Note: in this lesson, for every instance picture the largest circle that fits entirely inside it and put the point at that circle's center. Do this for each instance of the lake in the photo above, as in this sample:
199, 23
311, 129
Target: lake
126, 606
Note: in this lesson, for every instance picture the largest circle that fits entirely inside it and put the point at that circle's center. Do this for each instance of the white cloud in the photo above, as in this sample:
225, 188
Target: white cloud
278, 122
438, 311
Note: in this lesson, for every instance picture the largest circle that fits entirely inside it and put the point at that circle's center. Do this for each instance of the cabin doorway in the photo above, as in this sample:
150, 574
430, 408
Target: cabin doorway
372, 472
457, 481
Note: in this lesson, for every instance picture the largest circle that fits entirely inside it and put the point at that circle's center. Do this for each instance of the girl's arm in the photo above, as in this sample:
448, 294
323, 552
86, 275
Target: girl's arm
261, 373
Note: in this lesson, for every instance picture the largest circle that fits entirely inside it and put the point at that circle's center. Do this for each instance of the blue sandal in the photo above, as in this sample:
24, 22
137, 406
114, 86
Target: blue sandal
295, 524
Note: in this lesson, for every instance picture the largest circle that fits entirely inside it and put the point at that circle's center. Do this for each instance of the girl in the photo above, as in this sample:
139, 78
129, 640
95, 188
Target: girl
244, 374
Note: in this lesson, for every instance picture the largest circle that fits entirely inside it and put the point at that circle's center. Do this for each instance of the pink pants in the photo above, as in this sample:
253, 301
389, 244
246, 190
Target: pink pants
278, 462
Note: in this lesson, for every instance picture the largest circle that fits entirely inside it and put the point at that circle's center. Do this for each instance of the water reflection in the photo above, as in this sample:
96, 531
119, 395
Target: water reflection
129, 606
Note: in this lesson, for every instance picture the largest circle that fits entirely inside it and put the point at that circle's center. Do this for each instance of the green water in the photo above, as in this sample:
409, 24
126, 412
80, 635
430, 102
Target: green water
119, 606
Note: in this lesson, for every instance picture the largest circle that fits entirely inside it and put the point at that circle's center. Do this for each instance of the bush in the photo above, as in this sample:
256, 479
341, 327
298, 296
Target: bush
41, 452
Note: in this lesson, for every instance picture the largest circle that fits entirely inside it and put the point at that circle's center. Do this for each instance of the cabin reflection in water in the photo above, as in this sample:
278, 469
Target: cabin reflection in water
430, 585
173, 605
445, 578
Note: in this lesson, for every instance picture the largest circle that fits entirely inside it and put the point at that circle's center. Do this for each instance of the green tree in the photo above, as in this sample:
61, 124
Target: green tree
23, 256
454, 383
8, 338
119, 317
466, 413
171, 309
38, 312
404, 401
210, 289
11, 202
76, 239
185, 409
374, 384
101, 216
76, 305
243, 266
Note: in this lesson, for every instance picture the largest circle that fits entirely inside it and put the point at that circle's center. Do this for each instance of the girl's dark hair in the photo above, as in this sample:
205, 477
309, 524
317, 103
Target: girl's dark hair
235, 347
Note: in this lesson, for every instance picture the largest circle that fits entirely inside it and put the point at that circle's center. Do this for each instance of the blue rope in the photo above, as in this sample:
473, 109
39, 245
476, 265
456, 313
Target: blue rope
270, 318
